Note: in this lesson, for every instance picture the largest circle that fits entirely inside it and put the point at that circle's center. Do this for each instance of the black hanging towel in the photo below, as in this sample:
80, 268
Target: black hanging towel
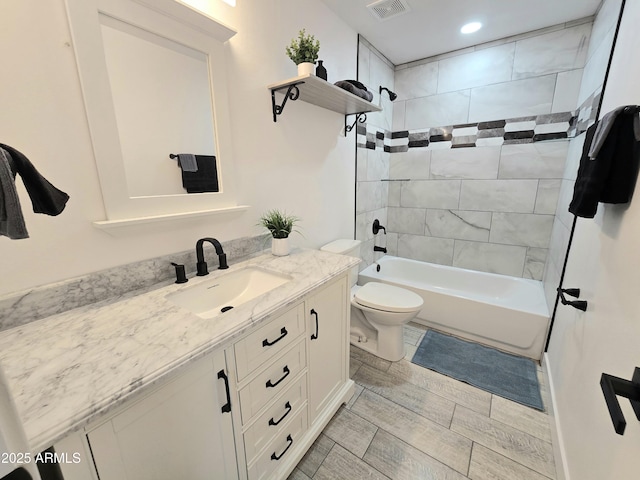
609, 163
45, 198
205, 179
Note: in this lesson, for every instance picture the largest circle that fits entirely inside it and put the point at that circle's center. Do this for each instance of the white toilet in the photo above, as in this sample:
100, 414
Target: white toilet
378, 310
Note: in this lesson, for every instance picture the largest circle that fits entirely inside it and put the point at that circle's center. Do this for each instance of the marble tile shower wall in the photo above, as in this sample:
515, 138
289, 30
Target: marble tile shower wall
600, 44
469, 131
485, 208
372, 165
534, 74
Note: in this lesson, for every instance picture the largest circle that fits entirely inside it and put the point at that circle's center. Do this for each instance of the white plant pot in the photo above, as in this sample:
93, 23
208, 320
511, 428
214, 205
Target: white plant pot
306, 68
280, 247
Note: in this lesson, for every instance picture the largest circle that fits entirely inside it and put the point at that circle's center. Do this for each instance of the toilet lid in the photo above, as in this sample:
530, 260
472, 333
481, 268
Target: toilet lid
388, 298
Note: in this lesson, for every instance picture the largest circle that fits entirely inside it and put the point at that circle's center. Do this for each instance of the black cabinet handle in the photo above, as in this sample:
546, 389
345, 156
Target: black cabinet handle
278, 457
315, 335
267, 343
286, 374
226, 408
276, 422
612, 386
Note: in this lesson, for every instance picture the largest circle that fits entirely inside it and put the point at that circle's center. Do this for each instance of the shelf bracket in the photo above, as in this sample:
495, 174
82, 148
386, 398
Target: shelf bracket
360, 117
292, 93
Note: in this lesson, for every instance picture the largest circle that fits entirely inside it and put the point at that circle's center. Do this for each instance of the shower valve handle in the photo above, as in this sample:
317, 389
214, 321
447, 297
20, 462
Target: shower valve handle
377, 227
573, 292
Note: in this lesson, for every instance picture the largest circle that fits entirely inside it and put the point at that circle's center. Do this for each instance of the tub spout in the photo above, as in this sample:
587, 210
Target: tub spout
380, 249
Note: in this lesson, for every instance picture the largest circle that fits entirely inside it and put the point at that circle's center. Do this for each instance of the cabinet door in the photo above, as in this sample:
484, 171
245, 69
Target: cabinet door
179, 431
327, 316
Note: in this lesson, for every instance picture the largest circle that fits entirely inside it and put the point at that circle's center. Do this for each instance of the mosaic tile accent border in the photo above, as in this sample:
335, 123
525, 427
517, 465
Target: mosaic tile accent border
510, 131
586, 114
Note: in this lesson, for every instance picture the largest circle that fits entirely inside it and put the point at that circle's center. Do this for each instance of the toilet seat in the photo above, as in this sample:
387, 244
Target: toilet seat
387, 298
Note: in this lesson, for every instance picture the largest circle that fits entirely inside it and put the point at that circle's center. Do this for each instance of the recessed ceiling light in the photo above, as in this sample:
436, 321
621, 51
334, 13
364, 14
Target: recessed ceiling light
471, 27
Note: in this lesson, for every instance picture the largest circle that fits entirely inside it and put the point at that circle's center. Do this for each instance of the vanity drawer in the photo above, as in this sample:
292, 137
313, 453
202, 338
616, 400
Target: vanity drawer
275, 417
275, 454
272, 381
255, 350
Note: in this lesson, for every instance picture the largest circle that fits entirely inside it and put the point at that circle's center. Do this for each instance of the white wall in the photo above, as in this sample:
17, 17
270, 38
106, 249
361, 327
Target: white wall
302, 163
604, 262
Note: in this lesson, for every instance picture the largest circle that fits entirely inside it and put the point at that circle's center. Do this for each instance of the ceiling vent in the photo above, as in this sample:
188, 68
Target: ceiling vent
386, 9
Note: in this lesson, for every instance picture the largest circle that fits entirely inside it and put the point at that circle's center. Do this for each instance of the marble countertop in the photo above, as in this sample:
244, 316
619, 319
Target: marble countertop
69, 369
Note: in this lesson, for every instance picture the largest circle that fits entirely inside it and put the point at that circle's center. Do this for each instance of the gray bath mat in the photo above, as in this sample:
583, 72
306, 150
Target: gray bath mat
497, 372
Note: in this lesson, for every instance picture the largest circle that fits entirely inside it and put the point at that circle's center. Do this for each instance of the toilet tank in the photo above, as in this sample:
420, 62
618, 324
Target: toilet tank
345, 247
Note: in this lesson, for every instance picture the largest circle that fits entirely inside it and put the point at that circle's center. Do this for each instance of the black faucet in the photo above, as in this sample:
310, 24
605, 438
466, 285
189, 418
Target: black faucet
202, 265
380, 249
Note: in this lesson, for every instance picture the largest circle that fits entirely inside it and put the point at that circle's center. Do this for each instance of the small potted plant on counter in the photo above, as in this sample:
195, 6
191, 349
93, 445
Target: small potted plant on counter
280, 224
304, 52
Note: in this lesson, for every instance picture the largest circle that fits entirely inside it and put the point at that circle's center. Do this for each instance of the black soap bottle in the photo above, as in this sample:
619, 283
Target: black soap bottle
321, 72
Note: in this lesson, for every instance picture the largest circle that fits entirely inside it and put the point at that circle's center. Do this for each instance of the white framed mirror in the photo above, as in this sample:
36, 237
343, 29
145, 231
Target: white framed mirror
154, 84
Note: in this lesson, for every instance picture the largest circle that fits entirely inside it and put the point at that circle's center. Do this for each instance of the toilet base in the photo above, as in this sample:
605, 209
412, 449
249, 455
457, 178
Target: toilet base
371, 346
387, 342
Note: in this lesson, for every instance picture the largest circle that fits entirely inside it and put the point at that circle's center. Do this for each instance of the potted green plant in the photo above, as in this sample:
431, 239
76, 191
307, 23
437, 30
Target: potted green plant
304, 52
280, 224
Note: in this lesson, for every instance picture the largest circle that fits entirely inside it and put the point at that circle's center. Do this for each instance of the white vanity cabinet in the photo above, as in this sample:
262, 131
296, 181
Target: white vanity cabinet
299, 380
328, 312
272, 395
282, 381
182, 430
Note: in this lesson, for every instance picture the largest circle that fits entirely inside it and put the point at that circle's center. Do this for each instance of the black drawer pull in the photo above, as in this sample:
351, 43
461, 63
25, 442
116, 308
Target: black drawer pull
286, 374
267, 343
276, 422
314, 336
278, 457
226, 408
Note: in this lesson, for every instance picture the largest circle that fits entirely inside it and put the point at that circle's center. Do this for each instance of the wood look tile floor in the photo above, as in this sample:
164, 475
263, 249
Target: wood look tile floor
406, 422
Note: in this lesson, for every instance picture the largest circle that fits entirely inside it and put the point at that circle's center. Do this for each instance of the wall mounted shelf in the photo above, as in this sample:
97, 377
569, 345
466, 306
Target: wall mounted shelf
321, 93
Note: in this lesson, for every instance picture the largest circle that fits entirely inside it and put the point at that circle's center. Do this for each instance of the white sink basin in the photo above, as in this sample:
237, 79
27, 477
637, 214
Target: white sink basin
211, 298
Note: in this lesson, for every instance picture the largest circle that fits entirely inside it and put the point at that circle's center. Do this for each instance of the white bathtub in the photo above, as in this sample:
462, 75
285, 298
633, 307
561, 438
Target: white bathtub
505, 312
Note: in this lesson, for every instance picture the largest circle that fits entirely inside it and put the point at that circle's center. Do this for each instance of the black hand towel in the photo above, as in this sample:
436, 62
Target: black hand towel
355, 87
610, 176
45, 198
11, 219
205, 179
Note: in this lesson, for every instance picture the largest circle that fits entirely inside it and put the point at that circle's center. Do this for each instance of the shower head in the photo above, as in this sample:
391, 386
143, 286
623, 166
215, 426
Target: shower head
392, 96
